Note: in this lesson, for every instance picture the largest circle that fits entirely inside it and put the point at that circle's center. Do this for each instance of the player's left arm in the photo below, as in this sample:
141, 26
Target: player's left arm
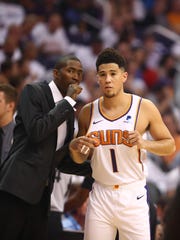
150, 119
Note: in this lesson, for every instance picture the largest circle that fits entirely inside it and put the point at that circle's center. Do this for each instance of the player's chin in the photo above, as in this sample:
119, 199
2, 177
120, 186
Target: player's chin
109, 94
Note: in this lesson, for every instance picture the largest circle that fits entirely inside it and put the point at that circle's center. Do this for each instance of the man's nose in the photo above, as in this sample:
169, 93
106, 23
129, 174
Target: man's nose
108, 78
76, 77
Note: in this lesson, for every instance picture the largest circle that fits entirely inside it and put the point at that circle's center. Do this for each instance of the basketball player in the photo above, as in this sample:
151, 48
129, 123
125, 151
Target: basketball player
111, 133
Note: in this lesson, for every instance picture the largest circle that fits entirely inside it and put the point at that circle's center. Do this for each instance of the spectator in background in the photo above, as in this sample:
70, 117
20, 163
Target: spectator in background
10, 13
136, 83
175, 50
75, 219
161, 208
90, 86
154, 50
8, 101
51, 40
82, 19
16, 73
156, 14
10, 50
164, 170
30, 53
163, 95
27, 26
171, 121
172, 218
59, 195
79, 34
6, 71
173, 16
113, 29
88, 54
21, 75
79, 195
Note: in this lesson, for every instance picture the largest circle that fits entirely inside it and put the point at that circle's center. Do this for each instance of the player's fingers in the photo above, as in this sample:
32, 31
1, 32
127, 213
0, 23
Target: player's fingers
84, 140
85, 149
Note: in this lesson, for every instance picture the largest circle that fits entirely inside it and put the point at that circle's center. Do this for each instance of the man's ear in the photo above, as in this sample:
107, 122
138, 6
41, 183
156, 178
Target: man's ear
11, 106
55, 73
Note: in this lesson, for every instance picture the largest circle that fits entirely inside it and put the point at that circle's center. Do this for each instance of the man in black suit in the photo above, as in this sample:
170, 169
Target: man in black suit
44, 127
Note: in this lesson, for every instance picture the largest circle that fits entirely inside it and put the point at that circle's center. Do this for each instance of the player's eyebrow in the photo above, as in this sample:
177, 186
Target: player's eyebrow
109, 71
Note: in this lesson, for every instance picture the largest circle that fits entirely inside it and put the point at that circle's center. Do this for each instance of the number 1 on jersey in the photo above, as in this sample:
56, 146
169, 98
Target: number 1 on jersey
113, 159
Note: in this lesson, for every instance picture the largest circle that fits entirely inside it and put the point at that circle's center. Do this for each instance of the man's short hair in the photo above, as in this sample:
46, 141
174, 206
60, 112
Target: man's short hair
9, 92
62, 62
111, 55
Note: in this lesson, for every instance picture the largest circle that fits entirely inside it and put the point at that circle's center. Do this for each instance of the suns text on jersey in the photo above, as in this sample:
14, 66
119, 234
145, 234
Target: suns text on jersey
111, 137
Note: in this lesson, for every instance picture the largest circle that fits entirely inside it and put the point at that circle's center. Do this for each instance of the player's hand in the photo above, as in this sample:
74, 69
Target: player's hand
74, 90
82, 144
135, 138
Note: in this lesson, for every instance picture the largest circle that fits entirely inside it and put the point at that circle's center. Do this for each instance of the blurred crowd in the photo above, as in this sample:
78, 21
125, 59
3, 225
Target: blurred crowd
35, 34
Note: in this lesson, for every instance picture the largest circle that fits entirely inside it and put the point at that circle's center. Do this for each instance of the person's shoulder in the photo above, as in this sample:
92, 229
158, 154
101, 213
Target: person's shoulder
148, 106
85, 114
36, 88
147, 101
86, 107
40, 86
35, 84
85, 111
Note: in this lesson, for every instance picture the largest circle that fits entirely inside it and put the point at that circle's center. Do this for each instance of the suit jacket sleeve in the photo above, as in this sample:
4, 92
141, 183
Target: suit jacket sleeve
66, 165
38, 122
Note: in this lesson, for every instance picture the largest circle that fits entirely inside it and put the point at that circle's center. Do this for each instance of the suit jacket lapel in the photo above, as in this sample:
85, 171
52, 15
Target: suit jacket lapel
70, 120
48, 94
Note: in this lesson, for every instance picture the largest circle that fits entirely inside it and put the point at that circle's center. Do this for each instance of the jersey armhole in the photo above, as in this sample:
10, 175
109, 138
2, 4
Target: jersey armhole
90, 117
137, 114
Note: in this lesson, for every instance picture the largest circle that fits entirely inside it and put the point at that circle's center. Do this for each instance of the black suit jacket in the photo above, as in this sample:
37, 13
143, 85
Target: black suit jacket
32, 159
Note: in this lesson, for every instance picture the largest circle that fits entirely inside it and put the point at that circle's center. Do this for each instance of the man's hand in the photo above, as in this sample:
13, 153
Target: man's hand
74, 90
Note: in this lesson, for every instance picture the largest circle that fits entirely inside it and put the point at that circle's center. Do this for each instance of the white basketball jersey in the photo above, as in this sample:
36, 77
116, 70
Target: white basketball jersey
115, 161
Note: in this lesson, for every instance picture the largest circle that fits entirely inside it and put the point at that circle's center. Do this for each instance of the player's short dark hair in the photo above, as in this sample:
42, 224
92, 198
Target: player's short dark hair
111, 55
62, 62
9, 91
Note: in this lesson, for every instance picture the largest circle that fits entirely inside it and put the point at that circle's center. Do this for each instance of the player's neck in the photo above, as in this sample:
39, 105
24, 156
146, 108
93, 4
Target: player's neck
115, 106
116, 101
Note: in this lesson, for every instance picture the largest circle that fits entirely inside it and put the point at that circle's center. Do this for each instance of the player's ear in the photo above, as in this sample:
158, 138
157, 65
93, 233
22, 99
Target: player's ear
125, 76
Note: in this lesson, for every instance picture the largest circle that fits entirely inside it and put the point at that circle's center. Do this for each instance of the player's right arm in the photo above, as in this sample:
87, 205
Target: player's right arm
162, 142
82, 141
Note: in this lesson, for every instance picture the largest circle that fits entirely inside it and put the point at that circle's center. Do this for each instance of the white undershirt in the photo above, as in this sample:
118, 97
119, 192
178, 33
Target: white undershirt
60, 188
62, 129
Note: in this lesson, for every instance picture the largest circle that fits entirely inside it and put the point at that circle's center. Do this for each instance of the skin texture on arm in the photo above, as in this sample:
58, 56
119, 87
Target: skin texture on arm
151, 120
